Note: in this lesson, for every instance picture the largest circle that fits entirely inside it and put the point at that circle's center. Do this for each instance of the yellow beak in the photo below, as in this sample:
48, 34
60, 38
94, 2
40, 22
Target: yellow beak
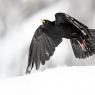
42, 21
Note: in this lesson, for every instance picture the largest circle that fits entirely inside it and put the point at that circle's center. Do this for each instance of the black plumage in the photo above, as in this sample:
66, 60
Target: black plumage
49, 35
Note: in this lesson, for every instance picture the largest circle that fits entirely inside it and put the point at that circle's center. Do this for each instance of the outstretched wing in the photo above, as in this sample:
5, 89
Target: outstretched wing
89, 42
75, 22
72, 22
41, 48
83, 28
82, 39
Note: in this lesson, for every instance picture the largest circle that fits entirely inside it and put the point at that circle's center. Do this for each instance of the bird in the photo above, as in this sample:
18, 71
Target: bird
49, 35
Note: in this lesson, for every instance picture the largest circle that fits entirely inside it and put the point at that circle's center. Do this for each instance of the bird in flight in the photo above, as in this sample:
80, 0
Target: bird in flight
49, 35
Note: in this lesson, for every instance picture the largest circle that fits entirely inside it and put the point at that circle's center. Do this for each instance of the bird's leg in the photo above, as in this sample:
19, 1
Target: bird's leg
81, 43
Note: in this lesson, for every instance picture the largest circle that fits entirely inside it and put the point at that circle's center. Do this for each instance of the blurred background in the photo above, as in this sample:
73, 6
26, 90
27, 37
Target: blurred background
18, 21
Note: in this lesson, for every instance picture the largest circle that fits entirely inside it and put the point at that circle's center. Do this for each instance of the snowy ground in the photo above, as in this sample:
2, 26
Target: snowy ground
59, 81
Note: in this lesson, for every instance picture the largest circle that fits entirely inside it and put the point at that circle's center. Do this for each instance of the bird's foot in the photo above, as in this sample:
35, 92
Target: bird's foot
82, 44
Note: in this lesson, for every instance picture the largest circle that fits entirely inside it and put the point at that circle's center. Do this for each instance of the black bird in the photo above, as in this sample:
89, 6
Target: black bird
49, 35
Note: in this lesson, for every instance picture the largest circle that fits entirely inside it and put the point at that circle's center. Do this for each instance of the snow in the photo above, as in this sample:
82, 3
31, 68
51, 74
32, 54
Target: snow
59, 81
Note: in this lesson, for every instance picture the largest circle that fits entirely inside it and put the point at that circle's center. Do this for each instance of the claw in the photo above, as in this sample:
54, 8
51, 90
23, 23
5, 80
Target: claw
82, 45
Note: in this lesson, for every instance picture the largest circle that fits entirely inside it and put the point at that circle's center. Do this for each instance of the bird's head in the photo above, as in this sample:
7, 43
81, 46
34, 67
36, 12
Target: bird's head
45, 22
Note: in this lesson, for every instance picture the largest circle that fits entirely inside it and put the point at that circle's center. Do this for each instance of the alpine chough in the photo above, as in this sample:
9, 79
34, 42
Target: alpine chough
49, 35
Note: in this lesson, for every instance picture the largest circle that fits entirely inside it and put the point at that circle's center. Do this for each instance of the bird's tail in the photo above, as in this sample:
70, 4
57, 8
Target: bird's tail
87, 48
